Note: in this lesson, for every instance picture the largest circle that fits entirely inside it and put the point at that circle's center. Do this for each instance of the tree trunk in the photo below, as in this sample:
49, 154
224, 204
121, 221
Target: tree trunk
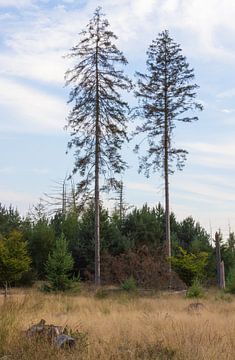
222, 276
5, 290
166, 176
167, 206
121, 207
97, 163
218, 257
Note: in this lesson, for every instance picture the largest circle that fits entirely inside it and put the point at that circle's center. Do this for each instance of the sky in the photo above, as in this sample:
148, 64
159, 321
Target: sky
34, 37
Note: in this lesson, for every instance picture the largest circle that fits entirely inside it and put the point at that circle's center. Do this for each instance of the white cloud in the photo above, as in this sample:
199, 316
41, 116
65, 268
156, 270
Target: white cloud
40, 171
36, 46
35, 41
222, 148
141, 20
141, 186
21, 200
29, 108
7, 170
208, 191
230, 93
15, 3
49, 68
227, 111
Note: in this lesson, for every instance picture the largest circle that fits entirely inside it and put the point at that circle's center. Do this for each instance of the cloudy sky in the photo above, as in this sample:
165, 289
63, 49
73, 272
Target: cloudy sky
34, 36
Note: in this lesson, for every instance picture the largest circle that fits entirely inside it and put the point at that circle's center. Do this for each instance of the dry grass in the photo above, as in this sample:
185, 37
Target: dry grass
121, 326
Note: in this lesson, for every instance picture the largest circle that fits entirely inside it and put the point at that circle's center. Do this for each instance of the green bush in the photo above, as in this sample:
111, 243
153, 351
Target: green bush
189, 266
129, 285
230, 281
195, 290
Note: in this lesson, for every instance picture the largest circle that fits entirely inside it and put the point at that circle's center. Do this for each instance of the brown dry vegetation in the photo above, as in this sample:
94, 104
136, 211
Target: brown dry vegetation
121, 326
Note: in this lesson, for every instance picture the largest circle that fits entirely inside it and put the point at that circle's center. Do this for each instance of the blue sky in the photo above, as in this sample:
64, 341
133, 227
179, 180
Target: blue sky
34, 36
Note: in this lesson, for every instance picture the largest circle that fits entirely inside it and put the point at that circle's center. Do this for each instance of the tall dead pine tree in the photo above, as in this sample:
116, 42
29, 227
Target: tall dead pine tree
166, 95
98, 118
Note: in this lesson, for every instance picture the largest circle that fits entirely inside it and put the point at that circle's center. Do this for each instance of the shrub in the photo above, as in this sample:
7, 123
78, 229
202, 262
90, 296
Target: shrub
189, 266
195, 290
148, 268
129, 285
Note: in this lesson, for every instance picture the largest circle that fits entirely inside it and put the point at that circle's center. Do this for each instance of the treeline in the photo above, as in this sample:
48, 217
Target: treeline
130, 246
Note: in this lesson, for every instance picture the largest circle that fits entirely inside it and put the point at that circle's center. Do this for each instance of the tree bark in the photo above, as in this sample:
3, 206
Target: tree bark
166, 174
166, 177
5, 290
167, 206
218, 257
97, 163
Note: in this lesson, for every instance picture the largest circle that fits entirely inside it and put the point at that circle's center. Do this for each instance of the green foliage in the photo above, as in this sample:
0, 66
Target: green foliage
9, 220
41, 241
138, 228
189, 266
83, 249
192, 236
228, 253
28, 279
59, 265
129, 285
14, 258
230, 281
195, 290
145, 226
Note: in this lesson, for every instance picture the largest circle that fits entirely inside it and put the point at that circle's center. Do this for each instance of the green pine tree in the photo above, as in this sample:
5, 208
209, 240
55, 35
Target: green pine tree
98, 119
166, 96
59, 266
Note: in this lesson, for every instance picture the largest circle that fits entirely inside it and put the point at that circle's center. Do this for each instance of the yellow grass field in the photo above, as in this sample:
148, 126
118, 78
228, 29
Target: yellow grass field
120, 326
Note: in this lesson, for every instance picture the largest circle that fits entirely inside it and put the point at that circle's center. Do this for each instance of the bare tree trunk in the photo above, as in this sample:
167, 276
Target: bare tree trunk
167, 208
97, 190
166, 178
222, 276
218, 256
5, 290
64, 198
121, 207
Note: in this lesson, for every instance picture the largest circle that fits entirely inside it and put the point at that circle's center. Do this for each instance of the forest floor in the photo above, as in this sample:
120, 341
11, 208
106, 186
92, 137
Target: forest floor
116, 325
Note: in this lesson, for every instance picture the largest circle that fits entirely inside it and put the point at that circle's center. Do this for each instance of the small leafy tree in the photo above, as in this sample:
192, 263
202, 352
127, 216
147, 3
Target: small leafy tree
14, 258
59, 266
129, 285
189, 266
195, 290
